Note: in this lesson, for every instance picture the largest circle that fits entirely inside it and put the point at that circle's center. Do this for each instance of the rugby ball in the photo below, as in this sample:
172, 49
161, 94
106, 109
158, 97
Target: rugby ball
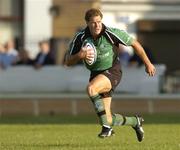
89, 46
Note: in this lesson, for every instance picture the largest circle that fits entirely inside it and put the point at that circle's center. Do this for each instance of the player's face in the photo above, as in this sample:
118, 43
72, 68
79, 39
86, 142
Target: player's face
95, 25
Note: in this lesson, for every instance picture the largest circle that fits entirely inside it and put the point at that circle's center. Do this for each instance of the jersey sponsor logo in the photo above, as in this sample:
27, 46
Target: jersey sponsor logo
102, 56
102, 46
106, 45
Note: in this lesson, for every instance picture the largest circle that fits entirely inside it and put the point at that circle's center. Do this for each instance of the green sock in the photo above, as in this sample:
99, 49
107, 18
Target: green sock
132, 121
122, 120
99, 108
118, 120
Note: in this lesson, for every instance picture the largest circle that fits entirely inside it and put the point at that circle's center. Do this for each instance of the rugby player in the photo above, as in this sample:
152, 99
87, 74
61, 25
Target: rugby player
106, 70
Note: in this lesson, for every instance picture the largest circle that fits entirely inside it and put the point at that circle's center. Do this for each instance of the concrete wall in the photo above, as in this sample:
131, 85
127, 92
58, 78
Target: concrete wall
58, 79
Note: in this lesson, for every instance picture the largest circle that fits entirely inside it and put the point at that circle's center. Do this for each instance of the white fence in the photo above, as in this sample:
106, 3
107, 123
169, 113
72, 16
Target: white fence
58, 79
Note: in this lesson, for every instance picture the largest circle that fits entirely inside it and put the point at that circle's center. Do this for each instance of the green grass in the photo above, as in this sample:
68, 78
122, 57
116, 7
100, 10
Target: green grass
162, 132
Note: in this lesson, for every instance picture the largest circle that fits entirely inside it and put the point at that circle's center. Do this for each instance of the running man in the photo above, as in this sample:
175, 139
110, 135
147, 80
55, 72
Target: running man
106, 71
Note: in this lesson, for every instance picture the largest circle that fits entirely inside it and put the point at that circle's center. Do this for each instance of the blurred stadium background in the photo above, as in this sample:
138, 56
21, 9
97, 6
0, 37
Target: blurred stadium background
59, 90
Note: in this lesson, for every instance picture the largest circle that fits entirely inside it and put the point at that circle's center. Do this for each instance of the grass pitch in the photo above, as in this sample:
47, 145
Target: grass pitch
80, 133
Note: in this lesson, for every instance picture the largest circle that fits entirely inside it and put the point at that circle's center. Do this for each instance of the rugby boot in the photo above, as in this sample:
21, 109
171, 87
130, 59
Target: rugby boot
106, 132
138, 128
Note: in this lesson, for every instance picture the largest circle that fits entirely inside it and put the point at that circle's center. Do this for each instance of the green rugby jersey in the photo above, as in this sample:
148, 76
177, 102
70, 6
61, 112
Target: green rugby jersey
108, 38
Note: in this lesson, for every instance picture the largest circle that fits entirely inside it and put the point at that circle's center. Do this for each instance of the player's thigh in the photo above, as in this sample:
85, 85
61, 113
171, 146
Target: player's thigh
100, 83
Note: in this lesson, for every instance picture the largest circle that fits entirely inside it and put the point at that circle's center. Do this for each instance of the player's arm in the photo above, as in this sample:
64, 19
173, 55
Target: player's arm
81, 55
73, 59
74, 54
150, 69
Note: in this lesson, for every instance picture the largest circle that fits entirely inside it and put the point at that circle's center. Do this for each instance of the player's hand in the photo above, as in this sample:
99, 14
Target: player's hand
82, 53
86, 53
150, 69
89, 55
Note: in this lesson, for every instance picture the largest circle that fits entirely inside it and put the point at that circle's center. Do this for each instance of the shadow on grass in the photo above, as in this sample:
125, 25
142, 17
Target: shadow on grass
84, 119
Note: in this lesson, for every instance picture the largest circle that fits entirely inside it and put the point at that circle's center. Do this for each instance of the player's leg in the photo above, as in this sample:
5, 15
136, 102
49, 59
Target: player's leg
100, 84
135, 122
114, 75
107, 131
118, 119
107, 106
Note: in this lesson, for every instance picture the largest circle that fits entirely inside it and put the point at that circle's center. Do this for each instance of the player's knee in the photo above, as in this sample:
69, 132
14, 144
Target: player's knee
91, 90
